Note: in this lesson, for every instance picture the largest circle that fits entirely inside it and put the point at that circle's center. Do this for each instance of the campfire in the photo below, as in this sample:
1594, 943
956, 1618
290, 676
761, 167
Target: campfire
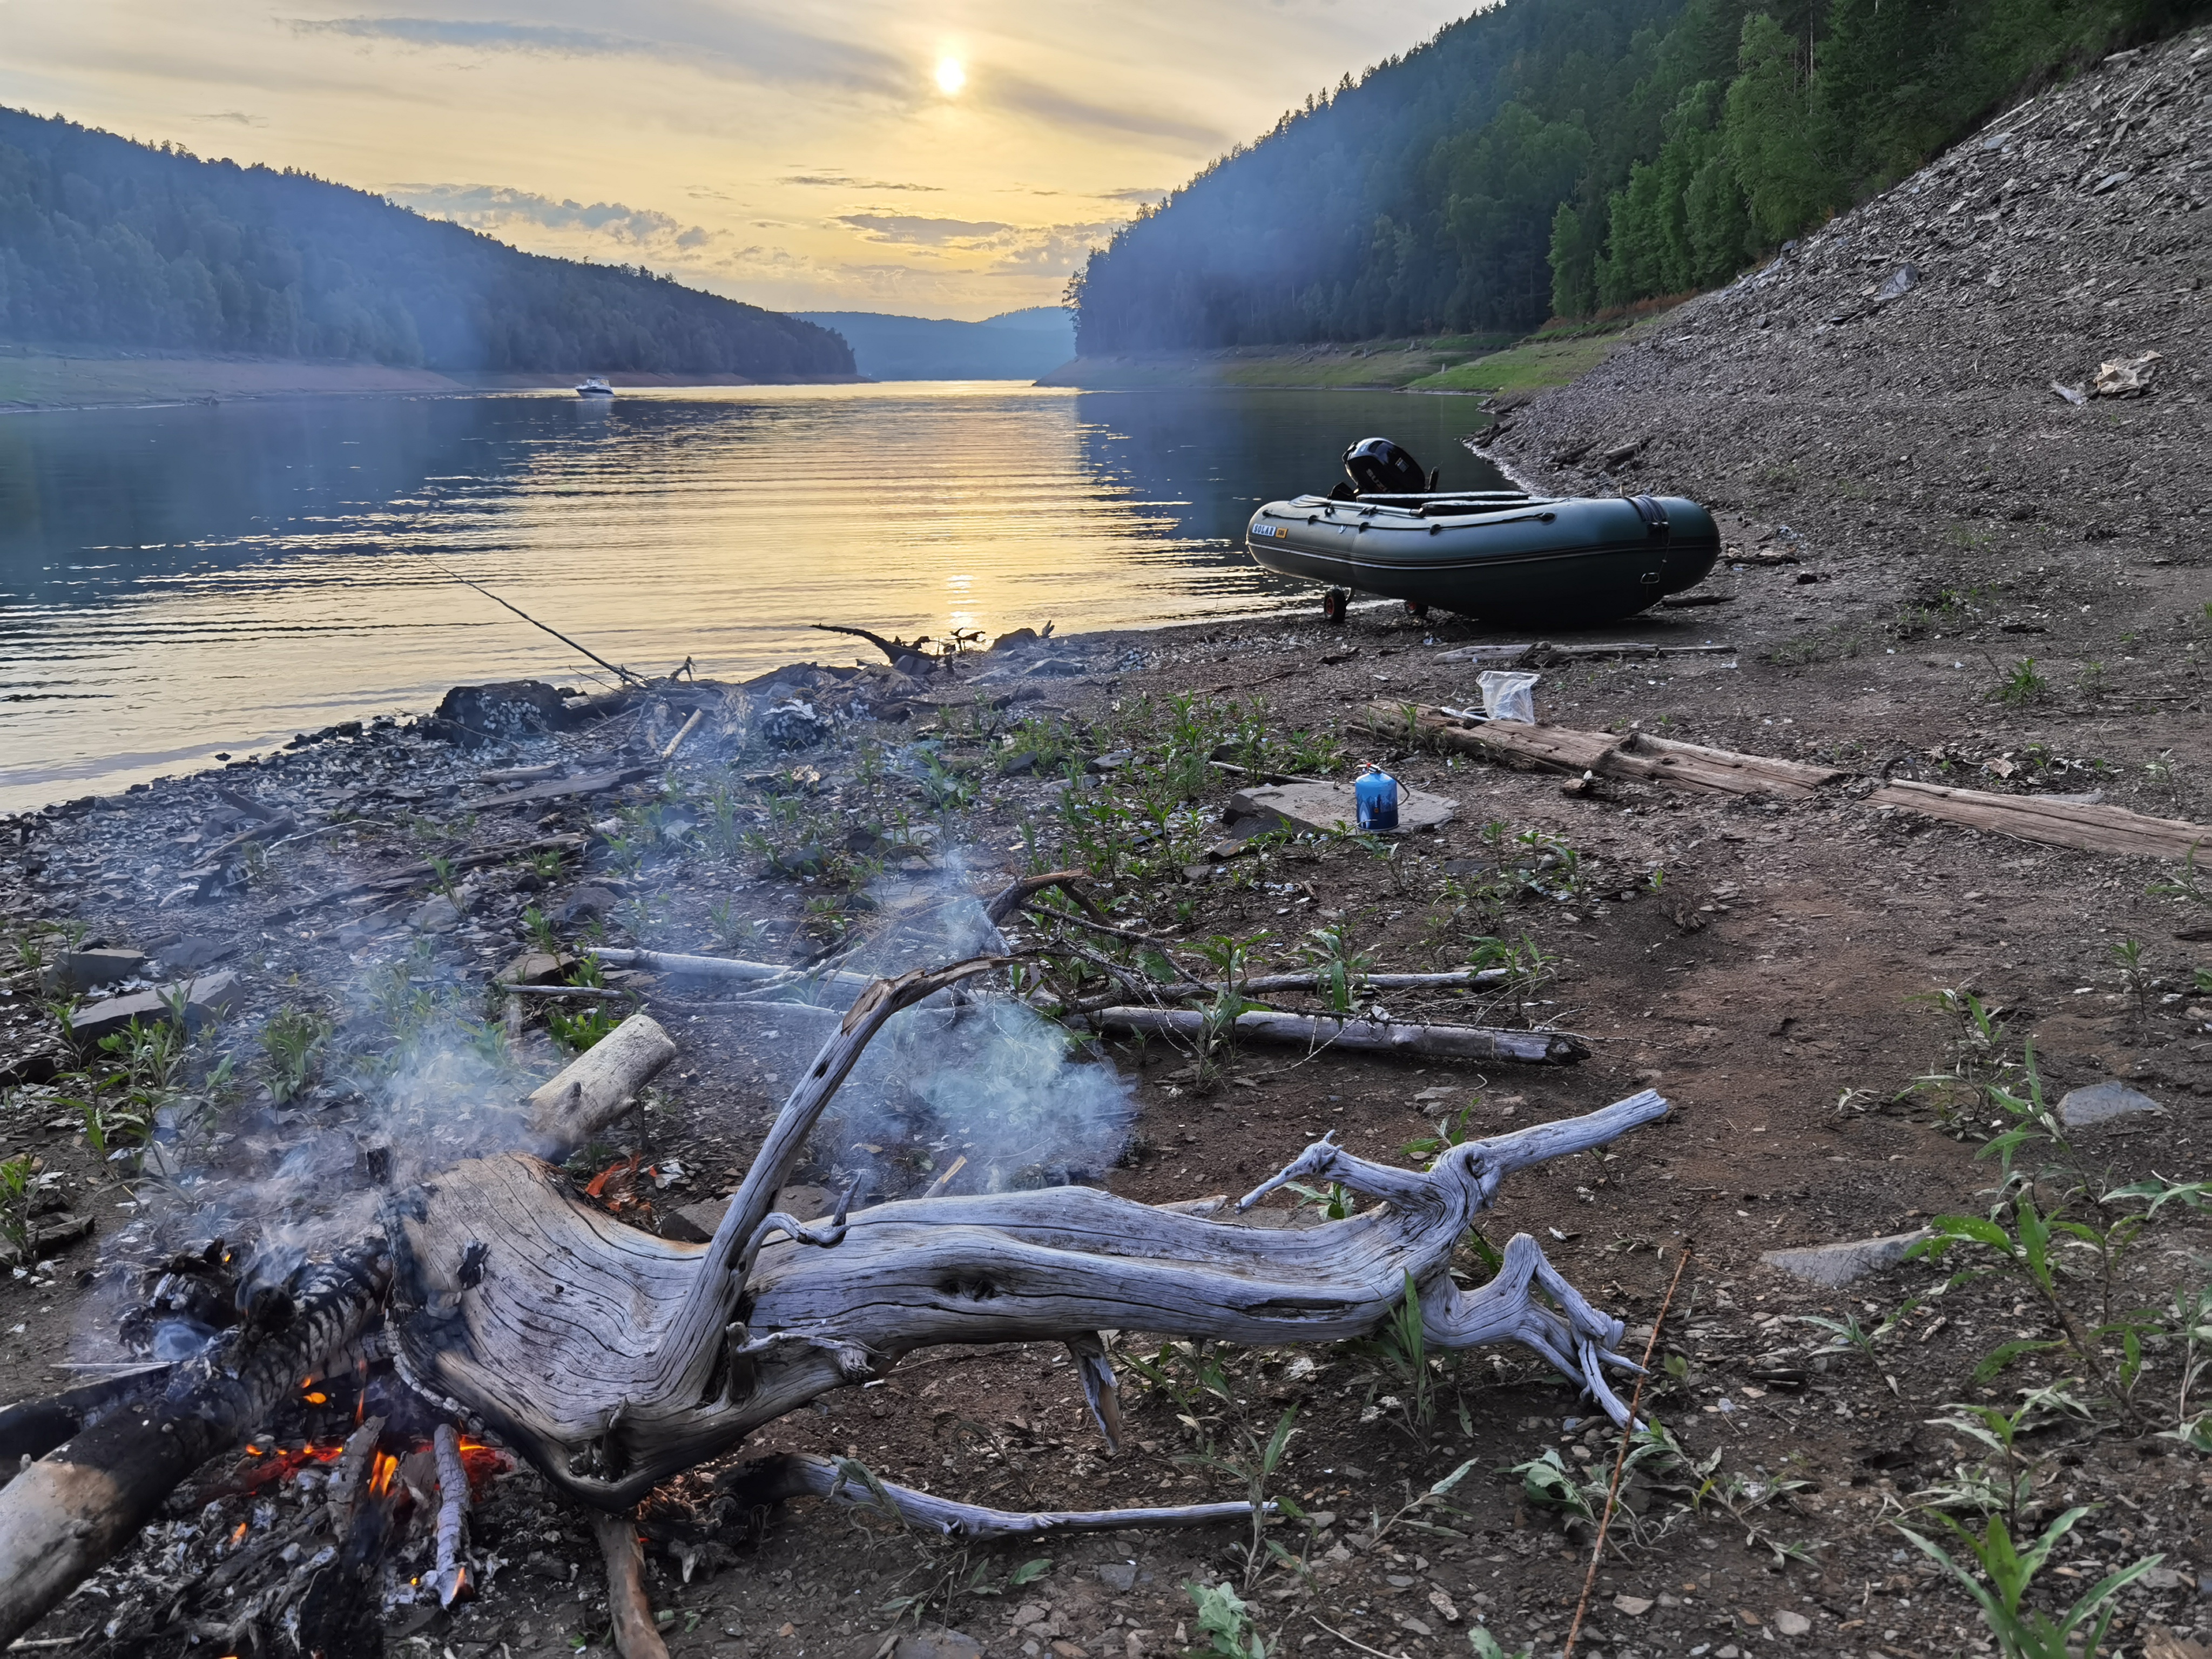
306, 1465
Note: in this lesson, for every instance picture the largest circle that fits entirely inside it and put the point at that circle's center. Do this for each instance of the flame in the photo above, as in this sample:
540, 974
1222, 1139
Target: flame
319, 1398
253, 1452
381, 1473
239, 1537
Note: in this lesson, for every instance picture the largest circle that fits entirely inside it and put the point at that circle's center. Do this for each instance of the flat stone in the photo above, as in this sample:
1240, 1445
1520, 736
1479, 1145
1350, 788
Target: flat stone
1120, 1577
535, 968
209, 994
1840, 1263
1328, 806
1790, 1622
586, 904
193, 952
936, 1644
2100, 1103
85, 970
695, 1223
1634, 1606
436, 914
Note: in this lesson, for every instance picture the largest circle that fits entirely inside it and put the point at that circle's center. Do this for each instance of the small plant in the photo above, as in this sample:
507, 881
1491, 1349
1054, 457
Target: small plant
18, 1188
1226, 1622
1337, 967
539, 926
293, 1040
1848, 1335
2191, 884
2135, 976
1451, 1130
1401, 1343
578, 1032
1254, 1468
2031, 1634
442, 877
1486, 1646
2022, 685
546, 866
1524, 968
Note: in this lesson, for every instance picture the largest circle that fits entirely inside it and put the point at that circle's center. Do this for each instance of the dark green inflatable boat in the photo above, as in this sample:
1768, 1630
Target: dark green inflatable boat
1501, 555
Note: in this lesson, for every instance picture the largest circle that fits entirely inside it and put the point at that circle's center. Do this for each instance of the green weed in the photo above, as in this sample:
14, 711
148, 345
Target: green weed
2030, 1633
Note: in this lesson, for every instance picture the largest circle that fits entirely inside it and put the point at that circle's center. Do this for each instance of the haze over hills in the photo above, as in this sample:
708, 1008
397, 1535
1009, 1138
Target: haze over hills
1015, 345
1557, 156
107, 243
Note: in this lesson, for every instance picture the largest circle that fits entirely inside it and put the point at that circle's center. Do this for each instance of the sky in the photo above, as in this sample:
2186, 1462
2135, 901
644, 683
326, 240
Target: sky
938, 158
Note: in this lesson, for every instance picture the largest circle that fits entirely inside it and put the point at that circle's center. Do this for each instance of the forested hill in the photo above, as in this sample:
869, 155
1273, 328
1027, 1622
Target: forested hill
1558, 156
106, 242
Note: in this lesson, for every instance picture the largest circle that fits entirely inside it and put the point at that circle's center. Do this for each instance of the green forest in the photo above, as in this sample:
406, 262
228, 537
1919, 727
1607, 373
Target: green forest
107, 243
1560, 157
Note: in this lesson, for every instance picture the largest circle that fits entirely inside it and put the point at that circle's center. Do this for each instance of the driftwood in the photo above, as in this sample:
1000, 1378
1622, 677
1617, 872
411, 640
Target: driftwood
598, 1085
2094, 828
590, 783
1458, 1041
799, 1474
416, 874
628, 1610
451, 1574
737, 968
904, 657
613, 1358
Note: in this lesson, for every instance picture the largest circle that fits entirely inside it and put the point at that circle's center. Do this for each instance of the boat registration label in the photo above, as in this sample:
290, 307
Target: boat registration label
1271, 530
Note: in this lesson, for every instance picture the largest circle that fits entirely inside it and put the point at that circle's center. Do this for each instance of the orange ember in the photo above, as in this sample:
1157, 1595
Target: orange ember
319, 1398
483, 1463
238, 1536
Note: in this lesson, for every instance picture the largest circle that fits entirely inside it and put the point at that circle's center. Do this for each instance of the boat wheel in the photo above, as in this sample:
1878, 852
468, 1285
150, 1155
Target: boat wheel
1333, 604
1416, 609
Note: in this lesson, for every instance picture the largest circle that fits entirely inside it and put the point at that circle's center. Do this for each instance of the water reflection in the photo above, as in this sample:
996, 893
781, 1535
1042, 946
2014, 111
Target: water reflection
178, 580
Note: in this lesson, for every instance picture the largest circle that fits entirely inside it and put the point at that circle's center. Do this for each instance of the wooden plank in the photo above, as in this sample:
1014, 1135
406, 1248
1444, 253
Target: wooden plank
1666, 761
2055, 824
1561, 747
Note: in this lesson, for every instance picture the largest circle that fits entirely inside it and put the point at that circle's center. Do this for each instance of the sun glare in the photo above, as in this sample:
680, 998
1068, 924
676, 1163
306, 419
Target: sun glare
951, 76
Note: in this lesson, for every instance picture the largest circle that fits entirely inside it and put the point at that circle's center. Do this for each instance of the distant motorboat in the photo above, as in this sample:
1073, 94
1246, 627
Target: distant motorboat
595, 387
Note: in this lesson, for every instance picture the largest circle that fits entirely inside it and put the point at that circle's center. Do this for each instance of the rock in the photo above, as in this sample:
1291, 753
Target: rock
1056, 668
501, 712
1634, 1606
1899, 283
86, 971
794, 725
695, 1223
587, 905
535, 968
1328, 806
1120, 1577
2101, 1103
1020, 636
1790, 1622
1840, 1263
936, 1644
211, 995
1099, 765
193, 952
435, 914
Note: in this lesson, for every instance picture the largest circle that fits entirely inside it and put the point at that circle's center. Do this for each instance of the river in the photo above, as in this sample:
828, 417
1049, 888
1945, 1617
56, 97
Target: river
185, 581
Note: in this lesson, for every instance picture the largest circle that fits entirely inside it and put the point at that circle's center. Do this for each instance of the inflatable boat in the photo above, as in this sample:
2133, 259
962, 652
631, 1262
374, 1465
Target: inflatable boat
1499, 555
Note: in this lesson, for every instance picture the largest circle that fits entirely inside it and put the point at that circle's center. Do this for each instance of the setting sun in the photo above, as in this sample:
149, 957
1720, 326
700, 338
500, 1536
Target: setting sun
951, 76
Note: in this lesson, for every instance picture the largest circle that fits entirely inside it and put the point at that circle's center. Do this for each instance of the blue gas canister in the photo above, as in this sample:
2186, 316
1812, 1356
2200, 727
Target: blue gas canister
1375, 797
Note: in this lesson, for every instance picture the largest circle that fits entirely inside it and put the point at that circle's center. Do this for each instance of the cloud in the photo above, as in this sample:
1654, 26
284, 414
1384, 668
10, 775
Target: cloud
1027, 97
846, 182
915, 231
1143, 198
237, 117
719, 42
493, 207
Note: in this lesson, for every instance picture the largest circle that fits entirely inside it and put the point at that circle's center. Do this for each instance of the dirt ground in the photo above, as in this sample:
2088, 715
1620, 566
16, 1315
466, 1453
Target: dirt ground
1938, 568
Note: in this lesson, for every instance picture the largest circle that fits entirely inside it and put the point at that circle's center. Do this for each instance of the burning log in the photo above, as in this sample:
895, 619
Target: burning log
451, 1574
636, 1637
67, 1513
32, 1428
771, 1479
1457, 1042
353, 1466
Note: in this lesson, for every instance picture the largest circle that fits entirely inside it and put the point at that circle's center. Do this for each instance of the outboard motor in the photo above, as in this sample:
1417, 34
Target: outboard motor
1378, 467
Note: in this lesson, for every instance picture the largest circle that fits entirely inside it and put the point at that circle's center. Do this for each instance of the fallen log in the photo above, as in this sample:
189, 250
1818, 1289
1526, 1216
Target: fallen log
635, 1635
1458, 1041
598, 1085
773, 1479
32, 1428
737, 968
68, 1512
590, 783
451, 1573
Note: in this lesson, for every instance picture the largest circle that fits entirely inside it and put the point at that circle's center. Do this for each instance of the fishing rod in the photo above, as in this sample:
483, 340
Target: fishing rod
615, 669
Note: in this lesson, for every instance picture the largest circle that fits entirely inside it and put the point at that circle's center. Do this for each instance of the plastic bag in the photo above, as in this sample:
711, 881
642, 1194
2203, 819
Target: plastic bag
1508, 695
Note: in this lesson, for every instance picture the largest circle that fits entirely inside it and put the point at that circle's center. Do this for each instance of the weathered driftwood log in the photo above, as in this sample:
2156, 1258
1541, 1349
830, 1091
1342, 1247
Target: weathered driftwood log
771, 1479
1458, 1041
451, 1574
67, 1513
737, 968
598, 1086
613, 1358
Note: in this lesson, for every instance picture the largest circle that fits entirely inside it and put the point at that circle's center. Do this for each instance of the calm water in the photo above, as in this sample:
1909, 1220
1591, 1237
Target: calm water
178, 580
